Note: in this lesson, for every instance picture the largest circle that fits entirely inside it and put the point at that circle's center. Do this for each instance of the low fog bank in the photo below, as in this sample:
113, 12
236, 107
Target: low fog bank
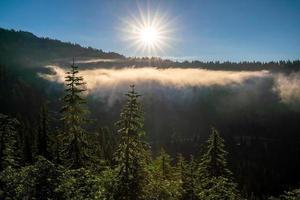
112, 83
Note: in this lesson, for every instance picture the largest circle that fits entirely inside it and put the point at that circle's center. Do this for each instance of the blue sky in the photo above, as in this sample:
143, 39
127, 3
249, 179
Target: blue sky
223, 30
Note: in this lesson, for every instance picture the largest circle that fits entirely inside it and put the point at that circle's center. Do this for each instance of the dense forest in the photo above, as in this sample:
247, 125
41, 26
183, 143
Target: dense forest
59, 143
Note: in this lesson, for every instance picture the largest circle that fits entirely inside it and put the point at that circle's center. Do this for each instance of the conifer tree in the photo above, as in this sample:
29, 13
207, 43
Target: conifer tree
163, 161
8, 142
165, 182
215, 179
213, 162
43, 131
189, 180
288, 195
132, 152
180, 167
74, 137
107, 144
55, 146
180, 173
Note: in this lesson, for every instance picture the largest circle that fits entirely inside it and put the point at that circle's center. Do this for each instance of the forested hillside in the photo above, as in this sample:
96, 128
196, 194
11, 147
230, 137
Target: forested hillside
235, 141
24, 48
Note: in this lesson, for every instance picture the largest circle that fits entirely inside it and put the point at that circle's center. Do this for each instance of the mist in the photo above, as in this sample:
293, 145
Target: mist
113, 83
171, 77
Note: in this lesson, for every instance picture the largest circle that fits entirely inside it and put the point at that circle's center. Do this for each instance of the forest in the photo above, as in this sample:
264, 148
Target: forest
58, 142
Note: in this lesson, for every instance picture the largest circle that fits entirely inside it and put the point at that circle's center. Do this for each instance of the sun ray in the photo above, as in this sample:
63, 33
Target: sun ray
148, 33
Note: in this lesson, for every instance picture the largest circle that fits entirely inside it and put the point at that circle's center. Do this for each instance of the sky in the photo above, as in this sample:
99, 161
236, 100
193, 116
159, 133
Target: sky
208, 30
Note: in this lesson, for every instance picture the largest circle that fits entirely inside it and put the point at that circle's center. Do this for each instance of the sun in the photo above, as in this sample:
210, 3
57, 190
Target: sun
148, 34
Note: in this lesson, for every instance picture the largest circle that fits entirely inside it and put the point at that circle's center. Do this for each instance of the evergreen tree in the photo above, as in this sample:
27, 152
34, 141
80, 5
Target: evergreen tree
164, 183
288, 195
215, 179
45, 175
27, 135
180, 166
132, 152
9, 156
74, 138
180, 174
189, 180
213, 162
107, 143
218, 188
55, 146
163, 163
43, 131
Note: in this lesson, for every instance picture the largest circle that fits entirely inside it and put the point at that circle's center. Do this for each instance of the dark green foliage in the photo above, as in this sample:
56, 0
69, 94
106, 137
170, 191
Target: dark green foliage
9, 150
288, 195
213, 162
106, 141
18, 183
46, 179
164, 165
55, 146
218, 188
74, 137
25, 47
190, 180
163, 184
38, 181
43, 133
215, 179
132, 152
81, 184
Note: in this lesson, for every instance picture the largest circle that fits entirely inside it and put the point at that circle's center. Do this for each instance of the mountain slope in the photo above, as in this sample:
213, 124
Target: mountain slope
20, 47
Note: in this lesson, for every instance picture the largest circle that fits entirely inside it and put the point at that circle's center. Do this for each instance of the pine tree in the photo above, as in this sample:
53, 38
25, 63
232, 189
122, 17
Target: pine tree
215, 179
189, 180
74, 137
163, 162
43, 131
107, 144
180, 173
180, 167
55, 146
8, 144
213, 162
132, 152
164, 182
288, 195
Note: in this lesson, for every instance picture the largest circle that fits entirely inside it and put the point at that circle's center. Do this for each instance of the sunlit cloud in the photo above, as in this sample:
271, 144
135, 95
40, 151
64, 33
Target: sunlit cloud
115, 82
288, 87
171, 77
95, 61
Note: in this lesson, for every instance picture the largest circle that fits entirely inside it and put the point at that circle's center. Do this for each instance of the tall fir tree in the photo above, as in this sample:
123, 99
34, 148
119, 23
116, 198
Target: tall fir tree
164, 182
213, 162
180, 166
43, 131
74, 137
9, 155
189, 180
215, 180
132, 152
106, 141
163, 163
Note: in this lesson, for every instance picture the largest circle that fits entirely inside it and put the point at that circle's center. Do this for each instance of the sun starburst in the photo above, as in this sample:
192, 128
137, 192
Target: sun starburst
148, 33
